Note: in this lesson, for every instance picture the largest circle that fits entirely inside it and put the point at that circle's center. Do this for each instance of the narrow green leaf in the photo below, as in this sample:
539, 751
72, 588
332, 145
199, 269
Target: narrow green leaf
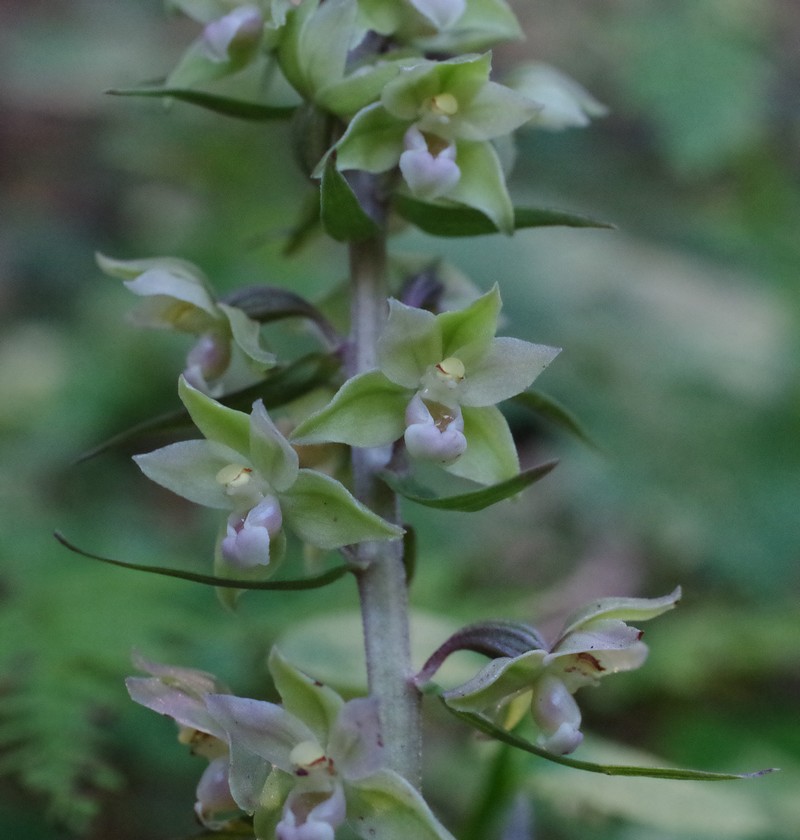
281, 386
342, 215
472, 501
225, 105
552, 410
211, 580
484, 725
456, 220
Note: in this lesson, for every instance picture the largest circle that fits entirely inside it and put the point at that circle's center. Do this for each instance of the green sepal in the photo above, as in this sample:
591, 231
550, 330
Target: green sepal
343, 217
315, 704
247, 336
270, 808
491, 455
384, 806
217, 422
484, 725
225, 105
212, 580
501, 679
271, 454
472, 501
472, 328
622, 609
373, 141
482, 184
321, 511
313, 47
550, 409
484, 24
282, 385
361, 87
451, 220
368, 410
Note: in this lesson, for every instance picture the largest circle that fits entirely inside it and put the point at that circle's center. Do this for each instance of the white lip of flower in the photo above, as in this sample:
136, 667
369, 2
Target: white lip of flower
434, 432
428, 165
247, 541
557, 714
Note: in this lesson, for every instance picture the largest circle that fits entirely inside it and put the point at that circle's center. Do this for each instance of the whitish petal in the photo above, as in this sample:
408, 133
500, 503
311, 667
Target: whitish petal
233, 34
427, 441
508, 367
177, 285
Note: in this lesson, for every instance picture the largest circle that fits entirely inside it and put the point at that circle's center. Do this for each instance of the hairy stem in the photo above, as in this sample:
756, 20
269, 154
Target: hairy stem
381, 579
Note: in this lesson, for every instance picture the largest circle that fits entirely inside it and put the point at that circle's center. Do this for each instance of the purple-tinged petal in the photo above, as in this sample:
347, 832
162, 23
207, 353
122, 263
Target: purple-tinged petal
356, 745
234, 35
213, 792
186, 709
428, 173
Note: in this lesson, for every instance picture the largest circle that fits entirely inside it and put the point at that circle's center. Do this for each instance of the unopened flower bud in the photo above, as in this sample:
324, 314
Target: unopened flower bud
234, 36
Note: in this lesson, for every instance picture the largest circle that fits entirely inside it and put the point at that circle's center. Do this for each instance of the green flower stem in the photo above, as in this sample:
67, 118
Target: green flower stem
381, 579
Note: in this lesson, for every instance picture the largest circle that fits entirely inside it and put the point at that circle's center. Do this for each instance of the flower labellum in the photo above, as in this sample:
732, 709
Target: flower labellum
234, 36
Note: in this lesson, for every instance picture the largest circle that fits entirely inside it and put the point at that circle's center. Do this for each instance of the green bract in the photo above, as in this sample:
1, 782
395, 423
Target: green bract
438, 380
435, 121
325, 763
595, 642
247, 467
177, 296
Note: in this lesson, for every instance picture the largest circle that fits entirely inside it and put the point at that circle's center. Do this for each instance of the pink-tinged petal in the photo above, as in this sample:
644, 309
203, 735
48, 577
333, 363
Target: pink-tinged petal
258, 727
210, 356
185, 709
356, 745
213, 792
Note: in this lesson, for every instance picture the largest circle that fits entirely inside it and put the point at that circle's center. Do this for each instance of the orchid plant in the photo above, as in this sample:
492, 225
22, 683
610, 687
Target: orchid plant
400, 123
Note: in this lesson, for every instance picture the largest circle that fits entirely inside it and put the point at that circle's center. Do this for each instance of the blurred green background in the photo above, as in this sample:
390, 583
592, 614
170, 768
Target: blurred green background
680, 337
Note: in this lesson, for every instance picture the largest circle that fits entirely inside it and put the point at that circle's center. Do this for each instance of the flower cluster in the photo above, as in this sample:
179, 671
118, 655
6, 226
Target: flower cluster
303, 768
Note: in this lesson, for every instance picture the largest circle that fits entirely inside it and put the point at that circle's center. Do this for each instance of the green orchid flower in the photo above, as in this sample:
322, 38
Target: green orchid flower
435, 121
177, 296
325, 763
245, 466
437, 382
595, 642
